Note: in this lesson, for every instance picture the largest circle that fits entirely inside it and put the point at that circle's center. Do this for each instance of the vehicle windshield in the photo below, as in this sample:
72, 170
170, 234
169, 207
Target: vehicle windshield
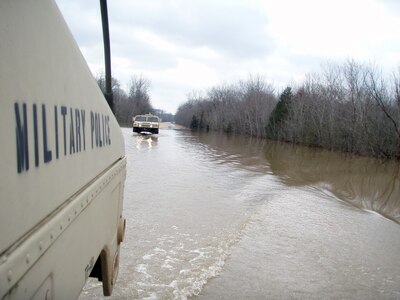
152, 119
140, 119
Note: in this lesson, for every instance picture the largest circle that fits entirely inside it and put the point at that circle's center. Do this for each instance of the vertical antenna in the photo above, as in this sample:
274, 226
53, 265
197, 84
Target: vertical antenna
107, 56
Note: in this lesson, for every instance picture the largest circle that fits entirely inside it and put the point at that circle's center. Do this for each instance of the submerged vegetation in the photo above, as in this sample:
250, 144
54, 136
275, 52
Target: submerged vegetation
349, 107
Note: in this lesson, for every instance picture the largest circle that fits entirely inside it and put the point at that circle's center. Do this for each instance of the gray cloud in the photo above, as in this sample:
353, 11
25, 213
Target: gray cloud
84, 21
185, 45
393, 6
235, 28
142, 55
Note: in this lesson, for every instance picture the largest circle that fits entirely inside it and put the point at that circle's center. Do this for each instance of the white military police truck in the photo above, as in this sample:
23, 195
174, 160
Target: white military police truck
62, 162
147, 123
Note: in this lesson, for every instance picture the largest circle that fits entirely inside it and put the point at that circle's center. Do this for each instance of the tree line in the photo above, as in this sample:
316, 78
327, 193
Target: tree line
134, 102
349, 107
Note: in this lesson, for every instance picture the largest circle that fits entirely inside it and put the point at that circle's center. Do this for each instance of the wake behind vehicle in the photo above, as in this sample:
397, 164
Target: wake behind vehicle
146, 124
62, 162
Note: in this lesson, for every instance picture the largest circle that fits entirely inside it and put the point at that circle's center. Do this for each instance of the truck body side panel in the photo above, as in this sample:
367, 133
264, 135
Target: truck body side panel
57, 130
62, 162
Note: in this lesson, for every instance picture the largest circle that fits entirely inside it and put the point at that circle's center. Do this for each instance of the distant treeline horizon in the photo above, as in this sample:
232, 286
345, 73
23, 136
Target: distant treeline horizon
350, 107
136, 102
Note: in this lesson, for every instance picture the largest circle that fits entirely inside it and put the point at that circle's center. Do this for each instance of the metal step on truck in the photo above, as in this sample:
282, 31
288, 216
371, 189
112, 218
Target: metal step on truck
62, 162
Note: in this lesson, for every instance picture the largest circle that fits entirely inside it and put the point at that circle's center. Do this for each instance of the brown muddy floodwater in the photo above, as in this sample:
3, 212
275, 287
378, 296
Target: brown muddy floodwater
212, 216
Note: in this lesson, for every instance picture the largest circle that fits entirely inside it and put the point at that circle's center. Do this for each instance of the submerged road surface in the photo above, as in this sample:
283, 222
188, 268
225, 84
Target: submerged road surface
219, 217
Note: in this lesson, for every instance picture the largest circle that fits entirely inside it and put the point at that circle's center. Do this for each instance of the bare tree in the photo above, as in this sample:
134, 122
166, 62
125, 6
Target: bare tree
386, 101
120, 97
138, 96
347, 107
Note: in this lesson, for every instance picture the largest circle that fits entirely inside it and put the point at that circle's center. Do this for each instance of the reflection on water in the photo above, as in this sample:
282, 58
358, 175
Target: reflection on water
231, 217
301, 242
146, 141
365, 182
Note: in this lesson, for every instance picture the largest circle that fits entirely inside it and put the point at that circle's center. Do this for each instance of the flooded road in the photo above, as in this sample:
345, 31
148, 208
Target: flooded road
212, 216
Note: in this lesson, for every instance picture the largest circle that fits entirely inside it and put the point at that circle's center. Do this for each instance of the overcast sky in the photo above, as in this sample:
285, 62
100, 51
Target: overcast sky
187, 45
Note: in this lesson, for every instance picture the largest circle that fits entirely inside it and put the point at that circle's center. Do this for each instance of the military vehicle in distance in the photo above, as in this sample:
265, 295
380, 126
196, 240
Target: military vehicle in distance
63, 163
146, 124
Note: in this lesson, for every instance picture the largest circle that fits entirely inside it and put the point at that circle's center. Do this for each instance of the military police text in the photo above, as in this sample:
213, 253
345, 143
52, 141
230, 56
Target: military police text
68, 125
